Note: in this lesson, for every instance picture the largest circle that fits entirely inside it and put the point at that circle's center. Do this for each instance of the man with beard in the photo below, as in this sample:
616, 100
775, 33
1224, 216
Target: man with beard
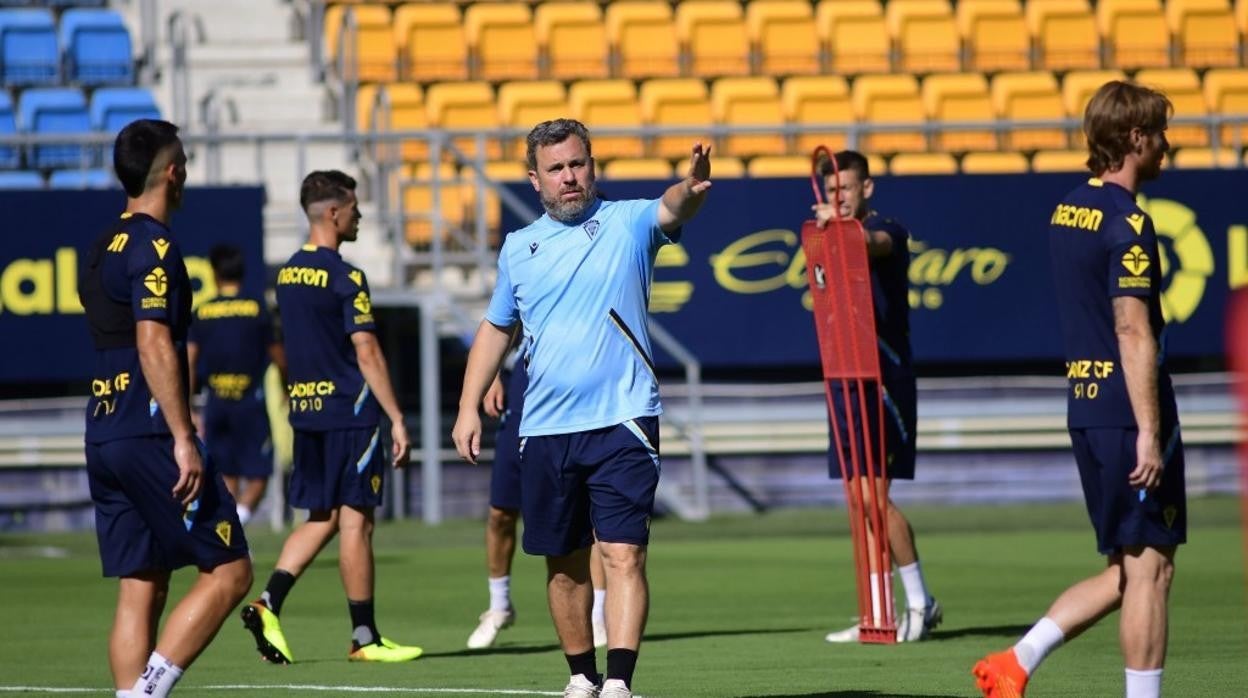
1121, 411
579, 280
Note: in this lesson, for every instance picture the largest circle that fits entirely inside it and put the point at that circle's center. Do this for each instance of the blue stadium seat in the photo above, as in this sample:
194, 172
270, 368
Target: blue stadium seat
114, 107
83, 179
97, 48
74, 3
8, 125
28, 52
54, 110
22, 179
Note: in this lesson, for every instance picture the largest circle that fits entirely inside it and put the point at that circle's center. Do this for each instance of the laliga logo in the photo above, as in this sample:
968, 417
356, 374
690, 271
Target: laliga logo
1180, 237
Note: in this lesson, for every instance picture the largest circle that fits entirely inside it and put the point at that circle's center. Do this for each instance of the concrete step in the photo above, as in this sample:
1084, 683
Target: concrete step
242, 21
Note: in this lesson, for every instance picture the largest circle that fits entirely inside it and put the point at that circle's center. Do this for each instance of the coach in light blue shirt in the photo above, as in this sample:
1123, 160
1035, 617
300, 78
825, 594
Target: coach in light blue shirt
578, 279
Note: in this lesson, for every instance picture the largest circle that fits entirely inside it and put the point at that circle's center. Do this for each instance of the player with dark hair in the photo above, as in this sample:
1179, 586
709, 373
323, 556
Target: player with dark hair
159, 504
338, 386
232, 342
1123, 419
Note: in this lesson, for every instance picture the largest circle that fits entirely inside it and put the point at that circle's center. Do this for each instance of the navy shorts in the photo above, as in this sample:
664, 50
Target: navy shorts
238, 437
141, 527
336, 468
505, 473
590, 482
900, 420
1120, 516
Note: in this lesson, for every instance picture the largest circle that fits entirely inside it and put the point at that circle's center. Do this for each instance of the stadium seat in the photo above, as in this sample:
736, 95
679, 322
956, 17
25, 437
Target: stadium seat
54, 110
465, 105
72, 3
783, 35
714, 36
573, 40
1065, 34
28, 50
370, 54
818, 100
1078, 87
749, 102
644, 168
1029, 97
608, 103
1226, 93
9, 156
21, 179
994, 163
418, 202
503, 171
779, 166
523, 105
406, 112
1135, 31
960, 97
1205, 32
925, 34
995, 35
1182, 86
922, 163
889, 99
1241, 16
675, 102
855, 36
97, 47
430, 41
114, 107
723, 167
83, 179
1205, 158
501, 38
1060, 161
644, 39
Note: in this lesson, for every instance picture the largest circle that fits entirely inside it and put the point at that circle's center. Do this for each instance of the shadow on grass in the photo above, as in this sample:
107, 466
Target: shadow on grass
982, 631
656, 637
855, 694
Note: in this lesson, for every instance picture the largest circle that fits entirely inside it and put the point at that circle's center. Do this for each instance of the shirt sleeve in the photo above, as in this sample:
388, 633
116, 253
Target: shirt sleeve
502, 311
1132, 244
357, 305
152, 277
643, 222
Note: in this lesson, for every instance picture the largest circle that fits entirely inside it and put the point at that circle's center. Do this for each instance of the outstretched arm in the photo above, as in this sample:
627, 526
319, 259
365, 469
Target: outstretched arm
683, 199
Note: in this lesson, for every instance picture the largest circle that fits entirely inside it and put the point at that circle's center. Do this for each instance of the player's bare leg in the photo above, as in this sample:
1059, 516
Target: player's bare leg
500, 549
231, 484
598, 577
1142, 627
252, 492
629, 601
140, 603
355, 552
570, 596
195, 620
307, 540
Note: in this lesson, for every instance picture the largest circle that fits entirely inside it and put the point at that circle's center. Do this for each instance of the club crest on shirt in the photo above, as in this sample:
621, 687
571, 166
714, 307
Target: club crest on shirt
590, 228
532, 248
224, 531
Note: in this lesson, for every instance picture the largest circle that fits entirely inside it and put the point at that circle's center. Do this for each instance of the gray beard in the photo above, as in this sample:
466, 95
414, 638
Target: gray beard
571, 210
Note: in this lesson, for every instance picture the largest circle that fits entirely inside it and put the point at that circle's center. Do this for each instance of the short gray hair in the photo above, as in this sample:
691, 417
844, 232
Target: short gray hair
553, 132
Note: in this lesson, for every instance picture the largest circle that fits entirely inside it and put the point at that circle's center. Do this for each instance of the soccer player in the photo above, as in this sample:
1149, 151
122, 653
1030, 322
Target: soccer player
233, 336
579, 279
338, 385
890, 264
1123, 420
159, 505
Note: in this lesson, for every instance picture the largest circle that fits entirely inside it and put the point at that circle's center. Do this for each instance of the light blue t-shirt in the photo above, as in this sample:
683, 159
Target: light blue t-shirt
581, 290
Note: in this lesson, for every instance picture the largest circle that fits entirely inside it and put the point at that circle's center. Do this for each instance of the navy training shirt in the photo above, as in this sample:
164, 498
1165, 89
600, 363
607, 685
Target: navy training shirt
890, 293
1103, 246
233, 332
134, 272
323, 301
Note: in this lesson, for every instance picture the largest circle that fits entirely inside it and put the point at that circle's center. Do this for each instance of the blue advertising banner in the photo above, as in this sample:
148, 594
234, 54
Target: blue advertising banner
735, 293
48, 232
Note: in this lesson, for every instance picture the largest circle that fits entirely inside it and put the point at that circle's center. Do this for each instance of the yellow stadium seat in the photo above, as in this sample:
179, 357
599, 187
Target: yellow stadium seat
431, 43
642, 168
995, 34
1182, 86
608, 103
523, 105
418, 203
573, 39
994, 163
1205, 32
714, 36
749, 102
1079, 86
502, 171
465, 105
1135, 33
1205, 159
960, 97
406, 112
1226, 93
675, 102
1060, 161
365, 96
784, 38
722, 167
778, 166
502, 40
922, 163
891, 99
818, 100
644, 39
1032, 97
855, 35
371, 53
1065, 34
1241, 15
925, 34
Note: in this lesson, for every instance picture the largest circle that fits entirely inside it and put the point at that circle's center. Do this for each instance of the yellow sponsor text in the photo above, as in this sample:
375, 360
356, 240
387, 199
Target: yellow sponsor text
1080, 217
303, 276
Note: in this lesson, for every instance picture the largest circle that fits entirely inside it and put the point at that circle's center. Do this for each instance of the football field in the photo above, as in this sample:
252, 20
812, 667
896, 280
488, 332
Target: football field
740, 606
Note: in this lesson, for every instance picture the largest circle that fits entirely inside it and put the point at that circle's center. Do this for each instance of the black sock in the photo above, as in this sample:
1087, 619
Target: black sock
585, 663
275, 591
620, 665
363, 625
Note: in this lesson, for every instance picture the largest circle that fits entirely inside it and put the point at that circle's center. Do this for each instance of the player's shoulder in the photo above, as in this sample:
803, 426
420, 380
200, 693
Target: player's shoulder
878, 221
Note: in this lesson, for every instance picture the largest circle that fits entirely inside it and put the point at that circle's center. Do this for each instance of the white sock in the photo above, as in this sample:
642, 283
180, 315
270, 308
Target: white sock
1143, 683
1043, 638
158, 678
122, 694
244, 514
500, 593
600, 603
916, 590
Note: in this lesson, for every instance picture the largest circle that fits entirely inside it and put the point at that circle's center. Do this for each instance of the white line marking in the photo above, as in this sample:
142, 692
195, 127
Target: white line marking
302, 687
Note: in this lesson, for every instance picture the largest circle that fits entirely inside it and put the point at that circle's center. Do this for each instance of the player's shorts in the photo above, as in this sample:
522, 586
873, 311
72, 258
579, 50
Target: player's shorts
141, 527
238, 438
336, 468
900, 421
600, 481
505, 476
1106, 456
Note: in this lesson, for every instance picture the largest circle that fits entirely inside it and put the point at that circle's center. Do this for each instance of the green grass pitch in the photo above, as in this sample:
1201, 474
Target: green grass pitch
739, 608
